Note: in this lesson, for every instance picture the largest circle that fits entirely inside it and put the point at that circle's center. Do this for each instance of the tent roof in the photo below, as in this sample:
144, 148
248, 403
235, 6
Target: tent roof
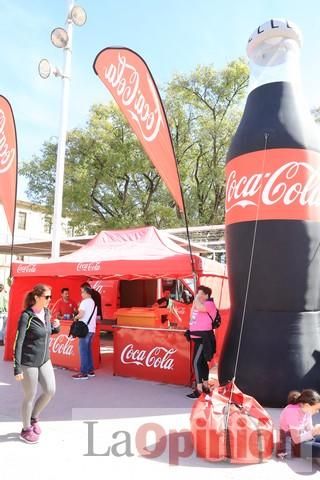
128, 254
43, 248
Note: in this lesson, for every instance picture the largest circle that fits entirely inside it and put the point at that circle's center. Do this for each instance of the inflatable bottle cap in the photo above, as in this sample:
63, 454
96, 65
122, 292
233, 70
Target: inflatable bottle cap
271, 32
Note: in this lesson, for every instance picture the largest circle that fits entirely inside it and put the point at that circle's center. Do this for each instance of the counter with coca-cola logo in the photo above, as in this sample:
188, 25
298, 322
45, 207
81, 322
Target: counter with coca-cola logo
158, 354
64, 351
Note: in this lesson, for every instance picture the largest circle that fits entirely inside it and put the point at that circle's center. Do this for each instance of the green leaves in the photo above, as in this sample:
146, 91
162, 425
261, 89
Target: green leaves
204, 114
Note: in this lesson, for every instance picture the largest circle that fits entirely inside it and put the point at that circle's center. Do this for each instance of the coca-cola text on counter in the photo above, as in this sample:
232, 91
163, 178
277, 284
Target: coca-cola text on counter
62, 345
157, 357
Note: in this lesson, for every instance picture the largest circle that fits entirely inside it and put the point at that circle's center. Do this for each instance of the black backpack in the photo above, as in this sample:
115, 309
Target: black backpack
79, 329
216, 322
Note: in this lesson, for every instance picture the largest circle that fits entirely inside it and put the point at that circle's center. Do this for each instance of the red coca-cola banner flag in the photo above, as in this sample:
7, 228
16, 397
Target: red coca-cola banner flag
8, 161
130, 82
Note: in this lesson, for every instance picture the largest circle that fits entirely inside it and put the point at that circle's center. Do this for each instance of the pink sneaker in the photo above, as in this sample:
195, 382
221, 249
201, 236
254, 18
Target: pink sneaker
29, 436
36, 426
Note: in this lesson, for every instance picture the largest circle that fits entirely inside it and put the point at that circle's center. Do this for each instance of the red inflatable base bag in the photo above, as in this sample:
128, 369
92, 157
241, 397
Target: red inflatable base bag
229, 425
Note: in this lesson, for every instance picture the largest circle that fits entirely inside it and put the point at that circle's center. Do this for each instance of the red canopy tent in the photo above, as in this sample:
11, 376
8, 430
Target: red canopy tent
127, 254
118, 254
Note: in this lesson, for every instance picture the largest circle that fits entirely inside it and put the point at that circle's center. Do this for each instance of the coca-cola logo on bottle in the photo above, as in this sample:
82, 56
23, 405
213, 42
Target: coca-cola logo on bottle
124, 81
62, 345
88, 266
7, 155
286, 189
26, 268
157, 357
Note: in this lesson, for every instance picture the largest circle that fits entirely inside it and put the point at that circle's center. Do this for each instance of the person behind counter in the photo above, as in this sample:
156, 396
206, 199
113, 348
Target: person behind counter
32, 362
163, 302
64, 308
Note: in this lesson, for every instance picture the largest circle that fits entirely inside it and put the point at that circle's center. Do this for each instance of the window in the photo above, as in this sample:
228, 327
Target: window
20, 258
22, 220
47, 224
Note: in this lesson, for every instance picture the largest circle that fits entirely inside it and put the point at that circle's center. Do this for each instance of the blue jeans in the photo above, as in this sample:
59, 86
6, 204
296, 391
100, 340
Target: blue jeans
3, 321
86, 360
307, 449
311, 448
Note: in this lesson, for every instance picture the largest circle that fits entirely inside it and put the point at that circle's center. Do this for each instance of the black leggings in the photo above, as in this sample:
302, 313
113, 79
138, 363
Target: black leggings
200, 365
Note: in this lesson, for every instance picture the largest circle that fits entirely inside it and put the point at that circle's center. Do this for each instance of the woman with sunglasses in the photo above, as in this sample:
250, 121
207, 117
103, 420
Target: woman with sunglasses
31, 359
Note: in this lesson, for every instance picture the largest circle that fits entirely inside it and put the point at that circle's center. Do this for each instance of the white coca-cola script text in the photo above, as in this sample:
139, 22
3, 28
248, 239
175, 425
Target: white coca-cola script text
157, 357
88, 267
292, 182
62, 345
124, 81
28, 268
7, 155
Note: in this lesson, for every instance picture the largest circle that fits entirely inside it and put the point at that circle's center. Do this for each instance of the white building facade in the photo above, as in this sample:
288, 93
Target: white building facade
32, 223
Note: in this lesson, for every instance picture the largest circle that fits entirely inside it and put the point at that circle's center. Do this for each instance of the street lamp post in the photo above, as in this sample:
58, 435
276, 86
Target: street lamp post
62, 38
58, 194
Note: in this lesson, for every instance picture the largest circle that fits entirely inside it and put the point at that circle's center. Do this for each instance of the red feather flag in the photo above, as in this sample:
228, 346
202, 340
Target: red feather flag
131, 84
8, 161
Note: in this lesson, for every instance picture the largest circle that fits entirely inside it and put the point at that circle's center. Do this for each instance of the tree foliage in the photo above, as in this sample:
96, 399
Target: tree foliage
110, 183
209, 101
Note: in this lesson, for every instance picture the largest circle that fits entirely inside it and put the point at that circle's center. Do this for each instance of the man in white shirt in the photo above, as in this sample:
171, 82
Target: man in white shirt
87, 314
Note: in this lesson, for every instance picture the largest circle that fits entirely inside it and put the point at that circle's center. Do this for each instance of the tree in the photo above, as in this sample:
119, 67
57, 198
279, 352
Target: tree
204, 115
110, 183
108, 180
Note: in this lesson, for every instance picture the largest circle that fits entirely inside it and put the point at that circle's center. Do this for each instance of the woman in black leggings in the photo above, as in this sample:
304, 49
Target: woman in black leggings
203, 313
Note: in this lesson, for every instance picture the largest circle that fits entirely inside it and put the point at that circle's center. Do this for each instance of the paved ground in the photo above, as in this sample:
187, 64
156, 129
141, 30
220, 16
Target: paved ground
98, 426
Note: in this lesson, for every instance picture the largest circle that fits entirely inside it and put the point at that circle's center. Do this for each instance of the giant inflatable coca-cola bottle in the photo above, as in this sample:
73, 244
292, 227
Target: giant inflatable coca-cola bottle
273, 227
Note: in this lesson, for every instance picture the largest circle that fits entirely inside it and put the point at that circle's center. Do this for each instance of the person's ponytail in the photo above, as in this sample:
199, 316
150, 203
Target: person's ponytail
309, 396
293, 396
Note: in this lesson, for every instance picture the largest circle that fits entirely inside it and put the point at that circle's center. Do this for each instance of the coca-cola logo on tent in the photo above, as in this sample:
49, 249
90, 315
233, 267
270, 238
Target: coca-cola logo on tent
88, 266
287, 188
156, 357
26, 268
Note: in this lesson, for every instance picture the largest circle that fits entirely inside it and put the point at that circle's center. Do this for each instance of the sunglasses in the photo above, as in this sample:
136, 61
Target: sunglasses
47, 297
